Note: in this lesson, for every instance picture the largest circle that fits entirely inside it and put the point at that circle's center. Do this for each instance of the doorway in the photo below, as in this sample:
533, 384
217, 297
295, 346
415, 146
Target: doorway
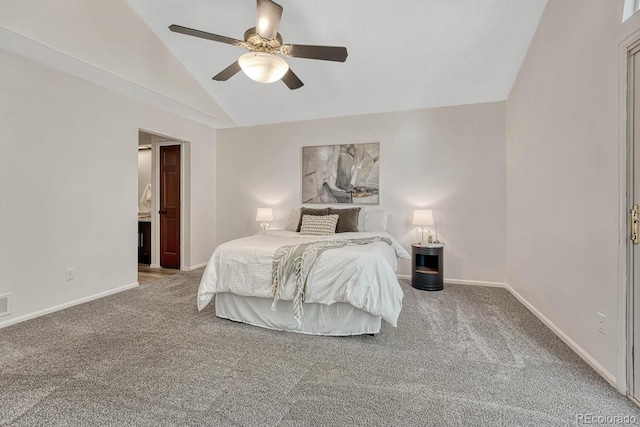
144, 199
167, 204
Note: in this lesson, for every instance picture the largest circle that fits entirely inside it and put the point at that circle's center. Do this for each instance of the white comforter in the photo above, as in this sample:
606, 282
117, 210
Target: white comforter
363, 276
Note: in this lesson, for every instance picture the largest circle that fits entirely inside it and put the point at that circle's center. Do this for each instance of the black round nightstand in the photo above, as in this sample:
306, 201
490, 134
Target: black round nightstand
427, 267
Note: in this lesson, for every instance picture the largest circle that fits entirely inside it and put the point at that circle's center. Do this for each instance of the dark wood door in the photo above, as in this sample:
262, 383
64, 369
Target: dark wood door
170, 206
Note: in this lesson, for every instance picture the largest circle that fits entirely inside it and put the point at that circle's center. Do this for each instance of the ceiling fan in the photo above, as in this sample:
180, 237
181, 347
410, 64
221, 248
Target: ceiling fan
263, 42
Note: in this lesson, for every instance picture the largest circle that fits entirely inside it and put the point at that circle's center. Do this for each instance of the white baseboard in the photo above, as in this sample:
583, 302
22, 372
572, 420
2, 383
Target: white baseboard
475, 283
194, 267
461, 282
611, 379
66, 305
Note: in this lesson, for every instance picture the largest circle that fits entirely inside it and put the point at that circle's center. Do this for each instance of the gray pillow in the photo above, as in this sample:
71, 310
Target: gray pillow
310, 211
347, 219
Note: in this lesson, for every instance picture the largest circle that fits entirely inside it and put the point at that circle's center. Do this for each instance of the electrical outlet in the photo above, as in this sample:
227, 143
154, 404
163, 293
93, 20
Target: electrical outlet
601, 323
68, 274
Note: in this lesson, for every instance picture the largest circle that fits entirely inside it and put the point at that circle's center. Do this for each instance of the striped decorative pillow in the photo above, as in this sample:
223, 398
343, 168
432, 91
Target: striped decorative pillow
319, 225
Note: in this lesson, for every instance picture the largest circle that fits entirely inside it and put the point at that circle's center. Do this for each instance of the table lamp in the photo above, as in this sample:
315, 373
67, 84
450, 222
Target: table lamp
423, 218
264, 215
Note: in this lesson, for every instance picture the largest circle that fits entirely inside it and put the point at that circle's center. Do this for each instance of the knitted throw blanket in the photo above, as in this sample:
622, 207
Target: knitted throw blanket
298, 260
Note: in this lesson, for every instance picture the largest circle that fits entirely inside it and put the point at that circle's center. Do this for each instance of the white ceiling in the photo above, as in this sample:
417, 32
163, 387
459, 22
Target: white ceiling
403, 55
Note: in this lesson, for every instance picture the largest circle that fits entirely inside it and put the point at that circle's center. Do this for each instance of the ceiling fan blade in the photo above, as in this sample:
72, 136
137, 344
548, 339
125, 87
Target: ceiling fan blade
291, 80
227, 73
204, 35
268, 19
325, 53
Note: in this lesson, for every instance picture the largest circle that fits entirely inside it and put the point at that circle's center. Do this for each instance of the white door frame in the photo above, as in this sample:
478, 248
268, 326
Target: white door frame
158, 141
625, 288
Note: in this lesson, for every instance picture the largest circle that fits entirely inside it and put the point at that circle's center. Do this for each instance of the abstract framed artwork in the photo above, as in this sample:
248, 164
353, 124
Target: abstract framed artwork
348, 173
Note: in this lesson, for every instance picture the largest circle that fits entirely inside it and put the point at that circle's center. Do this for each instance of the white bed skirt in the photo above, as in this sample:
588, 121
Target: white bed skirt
318, 319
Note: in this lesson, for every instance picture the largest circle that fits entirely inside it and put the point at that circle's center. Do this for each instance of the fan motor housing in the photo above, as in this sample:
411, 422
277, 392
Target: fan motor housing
257, 43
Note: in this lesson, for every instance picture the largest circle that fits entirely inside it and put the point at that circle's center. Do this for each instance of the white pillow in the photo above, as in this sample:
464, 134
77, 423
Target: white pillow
373, 221
319, 225
293, 221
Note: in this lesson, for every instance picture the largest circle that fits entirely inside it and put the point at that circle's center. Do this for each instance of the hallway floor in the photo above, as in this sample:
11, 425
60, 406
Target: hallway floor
149, 274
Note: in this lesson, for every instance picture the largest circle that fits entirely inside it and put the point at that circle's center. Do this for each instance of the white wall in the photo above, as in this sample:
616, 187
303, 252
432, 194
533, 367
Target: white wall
449, 159
111, 37
562, 173
68, 180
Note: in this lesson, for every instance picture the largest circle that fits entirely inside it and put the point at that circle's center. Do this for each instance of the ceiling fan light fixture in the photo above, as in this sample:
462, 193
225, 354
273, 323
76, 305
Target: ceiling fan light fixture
263, 67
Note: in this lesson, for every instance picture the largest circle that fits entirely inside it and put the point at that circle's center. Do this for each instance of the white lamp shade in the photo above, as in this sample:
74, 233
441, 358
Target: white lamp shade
264, 214
423, 217
263, 67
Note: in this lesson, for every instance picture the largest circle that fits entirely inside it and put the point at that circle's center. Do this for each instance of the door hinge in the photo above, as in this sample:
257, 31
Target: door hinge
634, 224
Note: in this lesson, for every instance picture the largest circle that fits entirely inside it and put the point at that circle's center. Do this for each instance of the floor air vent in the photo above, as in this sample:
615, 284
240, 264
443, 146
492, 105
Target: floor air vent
5, 305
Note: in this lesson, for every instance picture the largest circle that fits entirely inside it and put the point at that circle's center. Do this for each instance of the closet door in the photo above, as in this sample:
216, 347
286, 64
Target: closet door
633, 200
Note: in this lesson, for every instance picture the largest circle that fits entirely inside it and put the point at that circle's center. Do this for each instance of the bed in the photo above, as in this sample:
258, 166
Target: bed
349, 290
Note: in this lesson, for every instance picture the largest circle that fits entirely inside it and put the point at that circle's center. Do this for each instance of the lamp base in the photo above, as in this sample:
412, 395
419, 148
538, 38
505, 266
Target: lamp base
420, 232
264, 226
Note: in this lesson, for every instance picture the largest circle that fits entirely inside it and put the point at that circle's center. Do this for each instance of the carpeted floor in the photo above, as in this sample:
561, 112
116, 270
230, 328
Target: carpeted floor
145, 357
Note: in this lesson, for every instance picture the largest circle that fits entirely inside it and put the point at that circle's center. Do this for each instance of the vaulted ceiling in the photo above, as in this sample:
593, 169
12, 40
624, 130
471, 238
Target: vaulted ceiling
403, 55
